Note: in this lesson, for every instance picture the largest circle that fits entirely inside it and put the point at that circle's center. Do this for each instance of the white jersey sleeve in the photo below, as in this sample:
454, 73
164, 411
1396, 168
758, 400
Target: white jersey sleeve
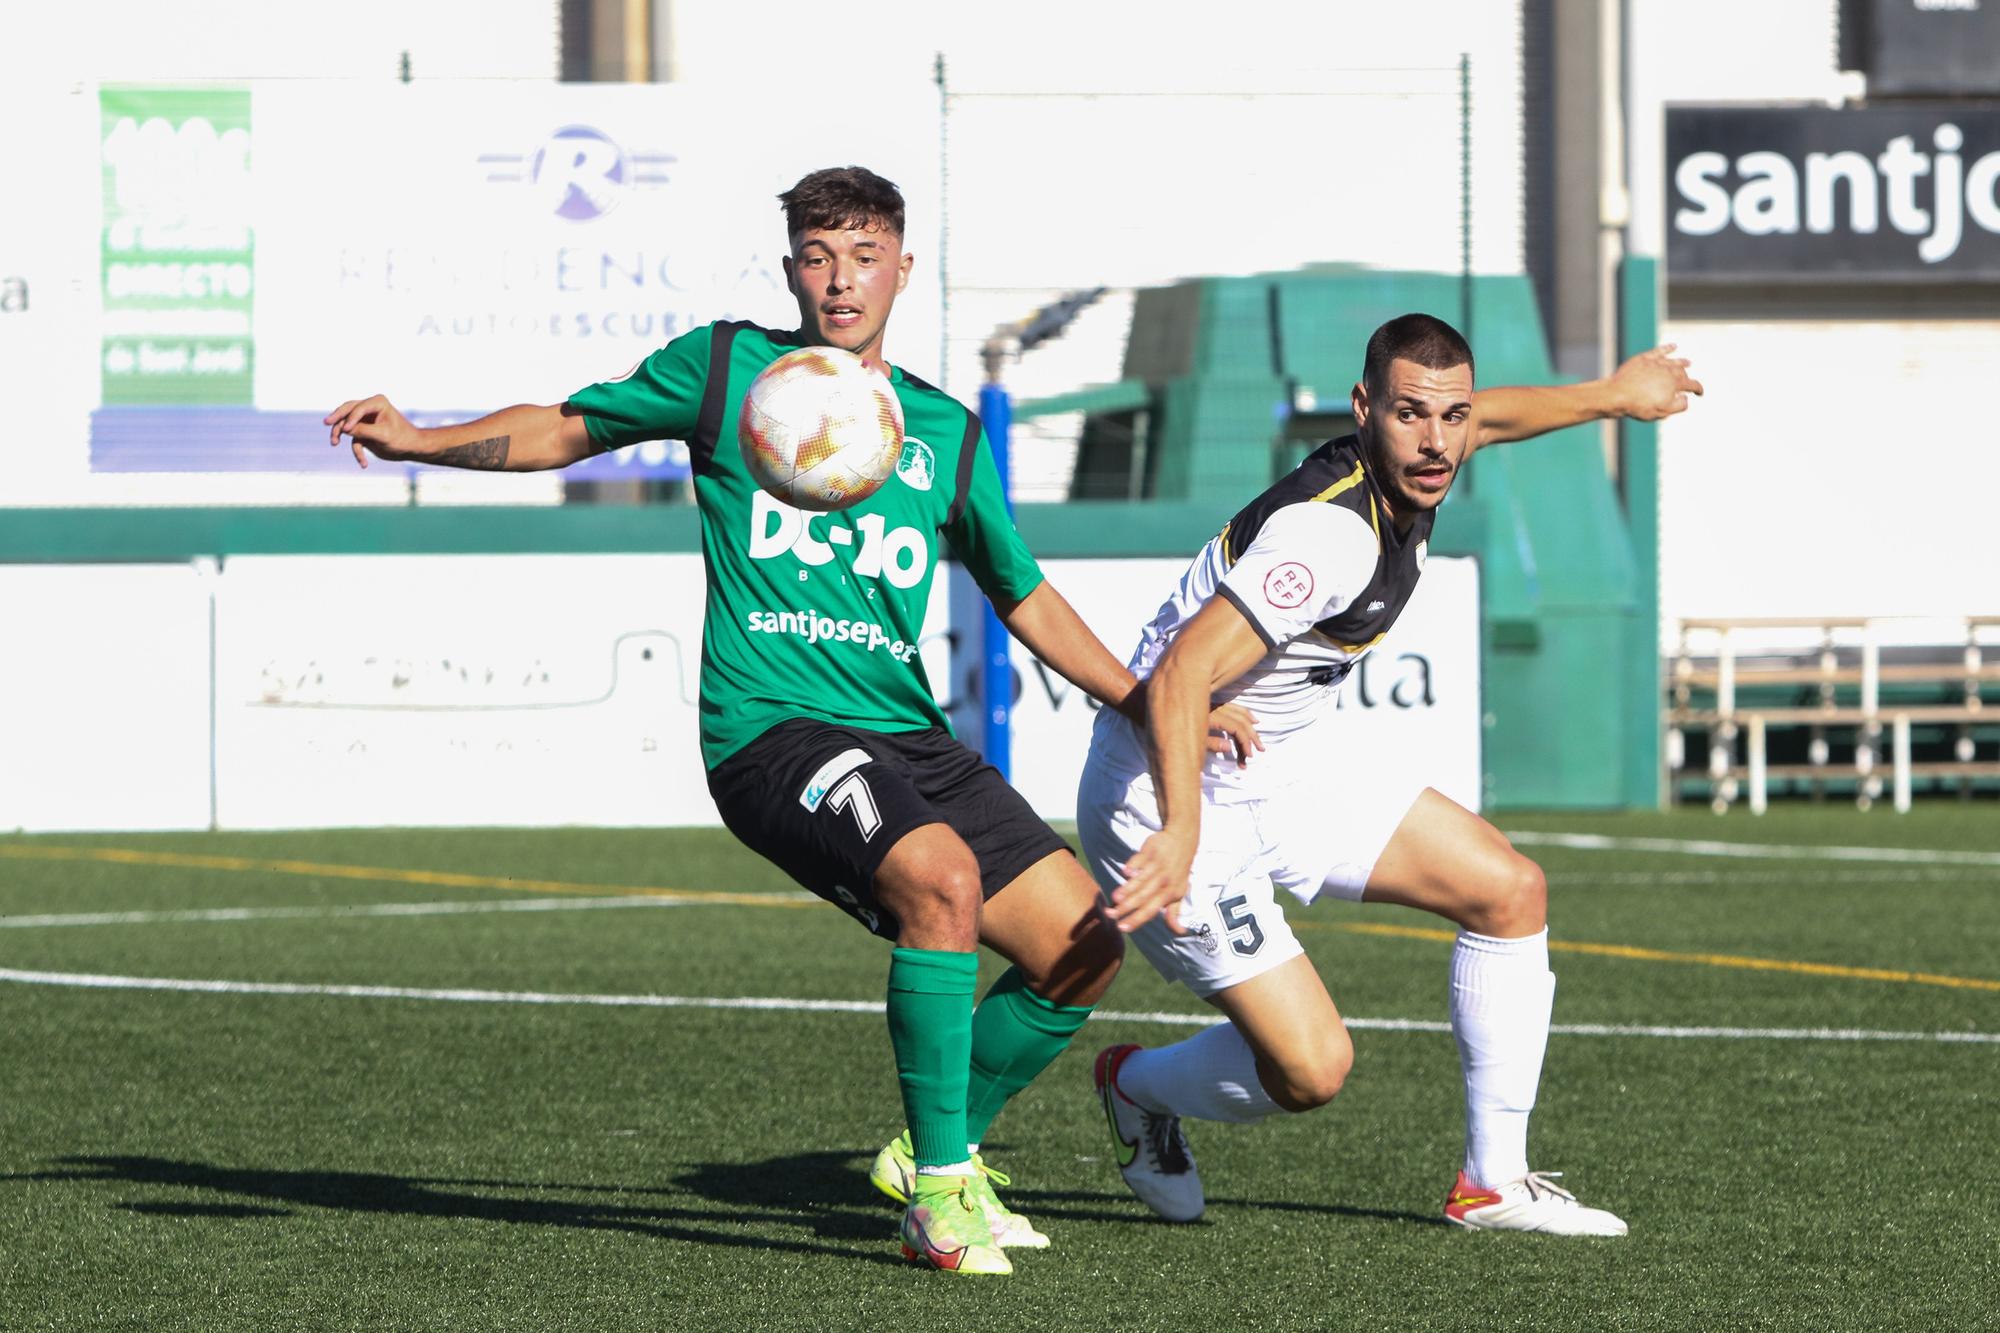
1307, 563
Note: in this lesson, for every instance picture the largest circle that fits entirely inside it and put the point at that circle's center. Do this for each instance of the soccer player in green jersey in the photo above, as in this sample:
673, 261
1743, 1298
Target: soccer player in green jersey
826, 750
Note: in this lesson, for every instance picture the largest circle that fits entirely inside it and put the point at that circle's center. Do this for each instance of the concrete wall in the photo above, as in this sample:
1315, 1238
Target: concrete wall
1834, 468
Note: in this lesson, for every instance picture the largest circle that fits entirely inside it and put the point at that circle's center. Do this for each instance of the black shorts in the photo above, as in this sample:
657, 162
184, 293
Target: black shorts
825, 803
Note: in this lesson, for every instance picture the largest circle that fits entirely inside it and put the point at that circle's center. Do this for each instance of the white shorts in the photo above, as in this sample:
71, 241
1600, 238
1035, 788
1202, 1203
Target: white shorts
1326, 838
1304, 840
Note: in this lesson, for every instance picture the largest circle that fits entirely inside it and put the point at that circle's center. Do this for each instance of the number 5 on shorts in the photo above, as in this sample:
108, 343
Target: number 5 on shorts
851, 794
1236, 918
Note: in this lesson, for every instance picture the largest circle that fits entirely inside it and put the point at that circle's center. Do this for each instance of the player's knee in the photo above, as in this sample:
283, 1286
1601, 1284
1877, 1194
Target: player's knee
946, 895
1314, 1078
955, 886
1522, 897
1511, 898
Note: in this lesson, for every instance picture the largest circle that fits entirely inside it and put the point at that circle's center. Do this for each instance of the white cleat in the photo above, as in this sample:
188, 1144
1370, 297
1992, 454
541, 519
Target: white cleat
1532, 1203
1153, 1154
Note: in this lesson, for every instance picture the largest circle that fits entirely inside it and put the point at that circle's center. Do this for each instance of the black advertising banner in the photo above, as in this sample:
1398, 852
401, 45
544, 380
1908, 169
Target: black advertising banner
1925, 47
1848, 194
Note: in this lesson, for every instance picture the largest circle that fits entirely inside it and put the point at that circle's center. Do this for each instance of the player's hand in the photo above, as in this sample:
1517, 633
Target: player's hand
1654, 384
1156, 881
374, 426
1233, 731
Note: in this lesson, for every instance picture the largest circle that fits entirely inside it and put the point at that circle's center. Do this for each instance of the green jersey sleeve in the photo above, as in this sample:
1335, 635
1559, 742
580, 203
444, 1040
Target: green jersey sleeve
983, 537
658, 399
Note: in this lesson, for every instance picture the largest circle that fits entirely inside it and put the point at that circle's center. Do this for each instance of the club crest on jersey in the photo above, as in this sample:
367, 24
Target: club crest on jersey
1288, 585
918, 465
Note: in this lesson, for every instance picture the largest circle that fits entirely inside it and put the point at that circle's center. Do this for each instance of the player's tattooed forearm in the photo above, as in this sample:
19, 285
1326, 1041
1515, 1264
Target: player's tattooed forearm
485, 455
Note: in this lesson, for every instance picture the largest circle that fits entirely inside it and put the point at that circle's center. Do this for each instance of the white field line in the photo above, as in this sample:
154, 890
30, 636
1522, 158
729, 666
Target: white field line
1593, 842
323, 913
781, 1004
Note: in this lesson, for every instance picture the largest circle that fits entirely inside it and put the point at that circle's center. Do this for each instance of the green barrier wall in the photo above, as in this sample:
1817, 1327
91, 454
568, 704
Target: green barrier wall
1570, 658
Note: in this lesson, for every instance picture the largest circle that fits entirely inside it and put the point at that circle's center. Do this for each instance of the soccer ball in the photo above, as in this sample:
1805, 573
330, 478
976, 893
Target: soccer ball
820, 429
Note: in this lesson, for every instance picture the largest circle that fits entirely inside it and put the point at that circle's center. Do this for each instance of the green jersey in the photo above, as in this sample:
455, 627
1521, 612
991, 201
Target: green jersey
814, 615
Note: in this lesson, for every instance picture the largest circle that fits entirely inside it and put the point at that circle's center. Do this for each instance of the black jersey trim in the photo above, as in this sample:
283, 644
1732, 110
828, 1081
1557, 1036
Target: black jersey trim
714, 396
1351, 649
968, 452
1224, 590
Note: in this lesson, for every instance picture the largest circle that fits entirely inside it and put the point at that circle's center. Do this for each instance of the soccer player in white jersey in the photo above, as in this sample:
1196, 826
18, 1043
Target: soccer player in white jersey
1188, 845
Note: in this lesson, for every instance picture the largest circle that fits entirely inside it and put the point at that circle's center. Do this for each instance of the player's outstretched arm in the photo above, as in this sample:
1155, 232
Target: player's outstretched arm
1050, 627
1053, 631
1211, 650
525, 438
1647, 387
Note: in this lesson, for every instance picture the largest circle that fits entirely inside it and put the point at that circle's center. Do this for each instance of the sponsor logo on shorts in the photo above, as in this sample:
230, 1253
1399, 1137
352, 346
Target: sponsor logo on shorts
1288, 585
830, 772
1203, 936
816, 628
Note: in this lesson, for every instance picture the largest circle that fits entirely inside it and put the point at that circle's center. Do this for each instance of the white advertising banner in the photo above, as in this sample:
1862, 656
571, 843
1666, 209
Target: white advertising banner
104, 697
453, 242
531, 690
1413, 704
463, 690
458, 690
270, 248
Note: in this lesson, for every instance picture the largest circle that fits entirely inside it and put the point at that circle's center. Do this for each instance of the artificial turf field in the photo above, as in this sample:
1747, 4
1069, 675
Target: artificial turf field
455, 1156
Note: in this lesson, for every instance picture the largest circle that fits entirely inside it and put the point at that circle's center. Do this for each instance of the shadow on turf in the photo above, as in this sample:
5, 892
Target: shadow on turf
801, 1184
792, 1190
796, 1180
1059, 1204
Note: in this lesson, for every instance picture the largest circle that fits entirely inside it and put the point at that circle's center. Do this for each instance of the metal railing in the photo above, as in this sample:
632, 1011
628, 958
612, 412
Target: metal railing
1821, 680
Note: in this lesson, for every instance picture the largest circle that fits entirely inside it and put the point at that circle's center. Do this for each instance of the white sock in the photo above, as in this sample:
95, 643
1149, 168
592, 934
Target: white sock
1210, 1076
965, 1168
1502, 994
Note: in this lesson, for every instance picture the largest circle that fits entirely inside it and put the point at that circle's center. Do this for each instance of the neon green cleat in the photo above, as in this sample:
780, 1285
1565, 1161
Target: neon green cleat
945, 1227
1010, 1230
895, 1171
895, 1168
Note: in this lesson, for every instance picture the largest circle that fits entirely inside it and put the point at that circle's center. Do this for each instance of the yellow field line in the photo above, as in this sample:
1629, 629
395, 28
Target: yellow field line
456, 880
1703, 959
446, 879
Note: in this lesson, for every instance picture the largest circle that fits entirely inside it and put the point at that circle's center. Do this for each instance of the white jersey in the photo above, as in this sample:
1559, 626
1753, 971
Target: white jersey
1319, 573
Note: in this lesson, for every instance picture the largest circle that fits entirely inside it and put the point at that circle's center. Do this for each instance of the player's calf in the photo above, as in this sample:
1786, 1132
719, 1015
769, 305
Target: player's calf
1050, 924
1084, 971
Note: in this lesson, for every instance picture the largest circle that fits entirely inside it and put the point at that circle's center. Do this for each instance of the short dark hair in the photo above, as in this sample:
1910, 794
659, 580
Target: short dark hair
843, 199
1424, 339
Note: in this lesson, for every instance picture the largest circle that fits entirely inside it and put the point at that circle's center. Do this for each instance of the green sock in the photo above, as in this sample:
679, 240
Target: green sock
1015, 1035
930, 1027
